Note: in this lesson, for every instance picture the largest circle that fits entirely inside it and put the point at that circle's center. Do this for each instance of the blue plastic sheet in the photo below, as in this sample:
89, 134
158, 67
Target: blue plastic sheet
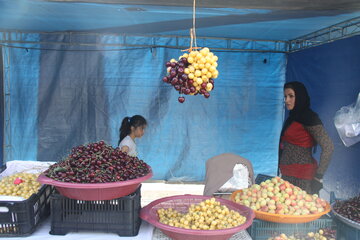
76, 97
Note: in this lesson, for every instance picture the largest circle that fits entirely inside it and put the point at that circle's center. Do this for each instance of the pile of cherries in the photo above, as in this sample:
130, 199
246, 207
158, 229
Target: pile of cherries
349, 209
97, 163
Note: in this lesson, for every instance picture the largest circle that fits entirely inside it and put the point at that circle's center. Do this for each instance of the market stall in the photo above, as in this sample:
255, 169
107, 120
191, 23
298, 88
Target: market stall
209, 79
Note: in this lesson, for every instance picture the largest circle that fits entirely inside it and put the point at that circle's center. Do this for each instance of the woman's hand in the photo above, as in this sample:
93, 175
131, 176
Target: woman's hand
125, 149
316, 185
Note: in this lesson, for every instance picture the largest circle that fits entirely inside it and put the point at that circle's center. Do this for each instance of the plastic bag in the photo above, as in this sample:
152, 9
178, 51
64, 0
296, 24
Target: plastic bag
347, 123
239, 180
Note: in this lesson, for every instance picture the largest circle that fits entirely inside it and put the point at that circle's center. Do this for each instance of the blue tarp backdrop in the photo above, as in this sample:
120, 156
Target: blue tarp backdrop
65, 97
331, 74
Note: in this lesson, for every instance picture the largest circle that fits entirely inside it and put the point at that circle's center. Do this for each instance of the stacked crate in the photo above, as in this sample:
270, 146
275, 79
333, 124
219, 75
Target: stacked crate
120, 215
21, 218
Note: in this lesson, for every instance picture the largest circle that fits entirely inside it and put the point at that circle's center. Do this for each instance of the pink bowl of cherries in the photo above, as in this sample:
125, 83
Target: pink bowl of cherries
96, 171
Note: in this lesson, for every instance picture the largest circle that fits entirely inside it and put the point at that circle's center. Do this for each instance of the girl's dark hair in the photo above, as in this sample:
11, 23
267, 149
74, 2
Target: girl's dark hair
128, 122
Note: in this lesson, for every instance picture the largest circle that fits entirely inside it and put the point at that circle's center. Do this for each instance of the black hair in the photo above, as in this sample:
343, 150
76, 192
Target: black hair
128, 122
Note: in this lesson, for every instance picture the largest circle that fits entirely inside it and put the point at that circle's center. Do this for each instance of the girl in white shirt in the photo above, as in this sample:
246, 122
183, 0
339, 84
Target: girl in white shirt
131, 128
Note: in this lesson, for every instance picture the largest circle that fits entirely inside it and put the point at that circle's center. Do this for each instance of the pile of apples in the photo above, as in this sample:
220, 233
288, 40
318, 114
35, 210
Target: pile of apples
193, 74
280, 197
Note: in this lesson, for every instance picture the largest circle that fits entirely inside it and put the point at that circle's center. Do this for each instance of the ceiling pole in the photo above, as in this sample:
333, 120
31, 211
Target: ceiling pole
332, 33
156, 41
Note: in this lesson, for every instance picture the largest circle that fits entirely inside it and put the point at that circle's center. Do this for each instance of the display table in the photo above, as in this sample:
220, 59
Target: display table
146, 232
42, 232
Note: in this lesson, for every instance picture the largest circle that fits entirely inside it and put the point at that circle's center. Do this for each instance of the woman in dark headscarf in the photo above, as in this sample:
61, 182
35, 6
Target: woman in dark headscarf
302, 131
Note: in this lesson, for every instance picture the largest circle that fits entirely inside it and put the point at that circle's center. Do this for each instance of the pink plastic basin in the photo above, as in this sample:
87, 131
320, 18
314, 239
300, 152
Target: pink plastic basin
96, 191
181, 203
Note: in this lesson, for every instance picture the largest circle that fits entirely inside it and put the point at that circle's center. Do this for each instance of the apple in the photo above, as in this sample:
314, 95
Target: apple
313, 209
262, 202
275, 198
264, 209
275, 180
279, 211
308, 198
289, 191
279, 206
256, 186
272, 206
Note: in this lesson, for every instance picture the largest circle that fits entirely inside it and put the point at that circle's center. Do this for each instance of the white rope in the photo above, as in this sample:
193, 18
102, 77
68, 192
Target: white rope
194, 23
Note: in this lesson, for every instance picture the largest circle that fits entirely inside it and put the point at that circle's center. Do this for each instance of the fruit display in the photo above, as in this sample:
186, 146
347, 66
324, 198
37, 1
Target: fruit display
193, 74
20, 185
278, 196
97, 163
322, 234
206, 215
349, 209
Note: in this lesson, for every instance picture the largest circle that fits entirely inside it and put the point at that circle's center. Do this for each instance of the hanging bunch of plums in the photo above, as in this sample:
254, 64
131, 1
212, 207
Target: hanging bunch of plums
193, 74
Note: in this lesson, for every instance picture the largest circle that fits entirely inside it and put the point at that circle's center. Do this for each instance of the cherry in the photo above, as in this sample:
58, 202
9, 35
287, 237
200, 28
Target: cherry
181, 99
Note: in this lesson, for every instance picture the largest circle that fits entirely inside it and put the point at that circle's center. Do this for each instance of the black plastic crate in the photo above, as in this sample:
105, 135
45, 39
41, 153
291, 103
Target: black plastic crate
261, 178
263, 230
20, 218
120, 215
